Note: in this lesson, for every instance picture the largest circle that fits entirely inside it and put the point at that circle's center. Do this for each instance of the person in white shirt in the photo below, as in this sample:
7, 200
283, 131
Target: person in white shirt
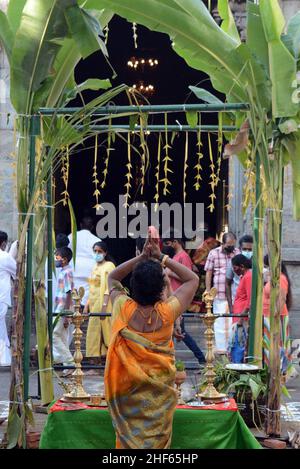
8, 269
85, 262
61, 241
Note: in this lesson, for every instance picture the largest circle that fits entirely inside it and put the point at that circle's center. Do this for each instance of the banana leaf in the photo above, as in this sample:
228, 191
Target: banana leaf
65, 62
6, 35
293, 149
282, 65
85, 30
228, 24
205, 95
90, 84
293, 31
41, 64
256, 40
14, 13
33, 54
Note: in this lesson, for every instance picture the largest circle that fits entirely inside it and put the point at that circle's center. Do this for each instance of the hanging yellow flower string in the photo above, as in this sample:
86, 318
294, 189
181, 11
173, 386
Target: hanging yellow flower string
157, 168
228, 206
65, 174
212, 183
166, 160
143, 152
249, 187
96, 192
199, 155
106, 162
185, 165
220, 147
128, 175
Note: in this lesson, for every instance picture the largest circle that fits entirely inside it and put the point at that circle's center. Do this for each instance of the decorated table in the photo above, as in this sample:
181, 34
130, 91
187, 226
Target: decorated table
80, 426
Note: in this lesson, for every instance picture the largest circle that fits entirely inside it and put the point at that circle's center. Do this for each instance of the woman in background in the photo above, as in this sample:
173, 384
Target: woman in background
99, 328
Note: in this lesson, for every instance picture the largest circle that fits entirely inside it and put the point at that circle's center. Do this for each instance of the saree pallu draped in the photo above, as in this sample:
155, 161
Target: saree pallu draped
139, 379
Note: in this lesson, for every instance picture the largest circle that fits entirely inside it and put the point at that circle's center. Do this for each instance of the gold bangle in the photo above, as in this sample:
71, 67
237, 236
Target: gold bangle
164, 259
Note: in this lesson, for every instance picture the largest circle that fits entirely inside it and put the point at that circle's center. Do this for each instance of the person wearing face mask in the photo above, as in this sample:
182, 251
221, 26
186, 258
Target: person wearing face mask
215, 267
232, 279
7, 273
242, 267
99, 329
63, 301
85, 240
180, 332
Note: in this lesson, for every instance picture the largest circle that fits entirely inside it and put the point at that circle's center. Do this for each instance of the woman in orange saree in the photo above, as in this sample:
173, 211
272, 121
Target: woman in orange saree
140, 370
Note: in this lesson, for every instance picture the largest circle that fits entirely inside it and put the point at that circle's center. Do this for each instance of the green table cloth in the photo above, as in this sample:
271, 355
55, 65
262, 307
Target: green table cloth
192, 429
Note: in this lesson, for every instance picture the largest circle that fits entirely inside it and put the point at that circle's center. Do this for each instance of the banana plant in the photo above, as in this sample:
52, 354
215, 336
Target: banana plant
43, 40
263, 73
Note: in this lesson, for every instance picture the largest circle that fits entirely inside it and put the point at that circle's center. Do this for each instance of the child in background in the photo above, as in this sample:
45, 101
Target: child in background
63, 301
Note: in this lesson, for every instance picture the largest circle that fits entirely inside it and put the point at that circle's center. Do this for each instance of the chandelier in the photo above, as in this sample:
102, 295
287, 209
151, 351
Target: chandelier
141, 63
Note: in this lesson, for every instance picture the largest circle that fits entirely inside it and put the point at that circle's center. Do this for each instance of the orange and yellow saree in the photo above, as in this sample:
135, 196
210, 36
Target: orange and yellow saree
139, 378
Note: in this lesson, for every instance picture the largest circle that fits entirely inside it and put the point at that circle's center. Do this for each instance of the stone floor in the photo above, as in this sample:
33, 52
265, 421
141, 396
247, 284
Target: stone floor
94, 385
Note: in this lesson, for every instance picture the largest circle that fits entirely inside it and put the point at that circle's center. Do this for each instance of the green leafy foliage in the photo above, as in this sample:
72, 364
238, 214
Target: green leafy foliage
179, 365
205, 95
192, 118
6, 34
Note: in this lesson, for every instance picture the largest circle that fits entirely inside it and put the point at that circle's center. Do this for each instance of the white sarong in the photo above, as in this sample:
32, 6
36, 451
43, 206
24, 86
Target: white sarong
5, 354
222, 326
61, 351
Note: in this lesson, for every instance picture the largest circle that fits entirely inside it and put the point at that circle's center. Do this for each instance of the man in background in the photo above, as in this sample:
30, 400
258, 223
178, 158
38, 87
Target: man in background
232, 279
63, 301
84, 262
216, 265
183, 258
7, 273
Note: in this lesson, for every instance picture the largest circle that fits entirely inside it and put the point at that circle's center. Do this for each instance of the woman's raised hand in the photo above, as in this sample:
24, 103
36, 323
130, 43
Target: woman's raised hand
147, 249
155, 249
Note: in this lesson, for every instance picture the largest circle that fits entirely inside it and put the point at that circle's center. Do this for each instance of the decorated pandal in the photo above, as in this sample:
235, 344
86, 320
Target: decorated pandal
76, 391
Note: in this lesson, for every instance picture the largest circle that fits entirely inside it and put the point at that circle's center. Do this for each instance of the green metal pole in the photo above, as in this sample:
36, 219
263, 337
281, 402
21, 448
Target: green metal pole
105, 110
50, 257
33, 132
159, 128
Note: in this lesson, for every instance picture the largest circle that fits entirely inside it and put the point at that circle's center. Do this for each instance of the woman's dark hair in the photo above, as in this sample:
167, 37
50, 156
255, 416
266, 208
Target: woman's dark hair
147, 282
284, 271
65, 252
228, 235
103, 245
246, 239
61, 240
239, 260
3, 237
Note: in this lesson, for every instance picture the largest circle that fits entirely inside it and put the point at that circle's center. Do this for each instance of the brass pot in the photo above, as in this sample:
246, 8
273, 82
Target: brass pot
33, 440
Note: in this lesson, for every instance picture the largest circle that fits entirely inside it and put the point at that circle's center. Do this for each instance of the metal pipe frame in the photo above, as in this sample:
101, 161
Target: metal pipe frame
160, 108
159, 128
